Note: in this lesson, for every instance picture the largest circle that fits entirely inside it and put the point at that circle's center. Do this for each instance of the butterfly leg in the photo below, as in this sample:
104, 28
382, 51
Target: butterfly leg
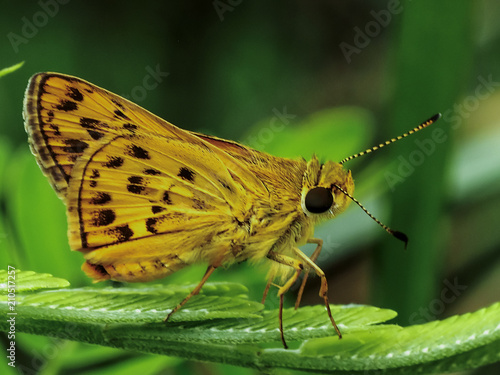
323, 292
195, 291
268, 285
313, 257
298, 266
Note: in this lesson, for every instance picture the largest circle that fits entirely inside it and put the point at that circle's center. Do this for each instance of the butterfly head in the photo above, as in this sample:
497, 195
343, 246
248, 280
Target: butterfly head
322, 195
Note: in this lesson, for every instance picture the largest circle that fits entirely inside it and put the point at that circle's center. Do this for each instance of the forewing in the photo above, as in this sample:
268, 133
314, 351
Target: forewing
143, 196
65, 115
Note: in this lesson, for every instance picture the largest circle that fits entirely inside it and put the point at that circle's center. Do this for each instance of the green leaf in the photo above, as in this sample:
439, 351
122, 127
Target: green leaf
307, 322
222, 325
28, 281
10, 69
139, 305
395, 346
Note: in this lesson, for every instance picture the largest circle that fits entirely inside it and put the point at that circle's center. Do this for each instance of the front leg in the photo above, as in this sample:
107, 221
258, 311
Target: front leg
298, 266
314, 256
323, 291
303, 263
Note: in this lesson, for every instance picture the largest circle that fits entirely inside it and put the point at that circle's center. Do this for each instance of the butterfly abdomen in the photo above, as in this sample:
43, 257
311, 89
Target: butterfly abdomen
133, 272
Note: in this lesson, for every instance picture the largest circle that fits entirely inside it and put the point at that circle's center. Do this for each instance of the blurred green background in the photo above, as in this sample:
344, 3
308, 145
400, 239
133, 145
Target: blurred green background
292, 79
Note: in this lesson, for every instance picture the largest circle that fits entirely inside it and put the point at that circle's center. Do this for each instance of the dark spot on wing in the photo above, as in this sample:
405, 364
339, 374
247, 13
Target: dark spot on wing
117, 103
56, 130
92, 126
135, 189
157, 209
152, 172
186, 174
74, 146
100, 198
150, 225
138, 180
89, 123
88, 88
130, 127
75, 94
104, 217
119, 113
122, 233
95, 135
114, 162
50, 115
93, 178
66, 106
166, 198
136, 184
138, 152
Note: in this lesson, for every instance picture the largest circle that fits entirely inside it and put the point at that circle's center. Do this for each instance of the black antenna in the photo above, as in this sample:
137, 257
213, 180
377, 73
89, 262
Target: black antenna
399, 235
423, 125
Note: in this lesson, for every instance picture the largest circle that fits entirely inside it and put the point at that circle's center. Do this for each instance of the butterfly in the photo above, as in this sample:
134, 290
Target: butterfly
145, 198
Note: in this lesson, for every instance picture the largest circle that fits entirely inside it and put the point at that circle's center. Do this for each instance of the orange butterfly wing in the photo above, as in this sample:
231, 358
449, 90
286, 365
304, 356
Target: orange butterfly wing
144, 197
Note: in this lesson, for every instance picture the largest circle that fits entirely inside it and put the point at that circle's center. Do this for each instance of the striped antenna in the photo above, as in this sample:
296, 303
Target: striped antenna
423, 125
399, 235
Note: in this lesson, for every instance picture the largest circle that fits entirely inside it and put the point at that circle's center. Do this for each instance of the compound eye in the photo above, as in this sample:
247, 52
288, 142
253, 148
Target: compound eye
318, 200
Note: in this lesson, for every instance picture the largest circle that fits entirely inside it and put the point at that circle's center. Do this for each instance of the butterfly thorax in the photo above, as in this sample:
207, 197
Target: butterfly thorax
284, 221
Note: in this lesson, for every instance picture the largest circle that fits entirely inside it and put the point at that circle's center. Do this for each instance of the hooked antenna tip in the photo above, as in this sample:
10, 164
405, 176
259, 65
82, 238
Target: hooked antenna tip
400, 236
436, 117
